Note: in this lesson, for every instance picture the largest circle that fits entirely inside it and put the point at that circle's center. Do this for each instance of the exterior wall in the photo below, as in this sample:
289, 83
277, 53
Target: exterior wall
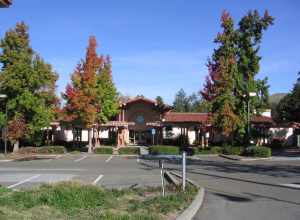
284, 133
140, 113
175, 132
67, 134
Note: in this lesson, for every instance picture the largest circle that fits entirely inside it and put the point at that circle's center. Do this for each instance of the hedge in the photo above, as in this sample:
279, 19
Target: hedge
43, 150
233, 150
210, 150
103, 150
165, 150
129, 150
255, 151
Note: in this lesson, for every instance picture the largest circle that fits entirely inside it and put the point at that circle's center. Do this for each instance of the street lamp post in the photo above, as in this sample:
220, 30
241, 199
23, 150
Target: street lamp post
3, 96
251, 94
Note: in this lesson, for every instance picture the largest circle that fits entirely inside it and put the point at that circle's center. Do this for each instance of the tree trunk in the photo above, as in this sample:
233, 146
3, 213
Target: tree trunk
16, 146
89, 141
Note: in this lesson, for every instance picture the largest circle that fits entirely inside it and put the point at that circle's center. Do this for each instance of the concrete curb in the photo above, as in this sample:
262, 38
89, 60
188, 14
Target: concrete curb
238, 158
190, 212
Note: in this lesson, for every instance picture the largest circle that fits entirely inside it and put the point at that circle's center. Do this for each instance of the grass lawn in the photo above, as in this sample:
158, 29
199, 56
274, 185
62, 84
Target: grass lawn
73, 200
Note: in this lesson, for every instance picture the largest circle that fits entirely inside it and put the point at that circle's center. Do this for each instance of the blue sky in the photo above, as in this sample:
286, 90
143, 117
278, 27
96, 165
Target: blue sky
157, 46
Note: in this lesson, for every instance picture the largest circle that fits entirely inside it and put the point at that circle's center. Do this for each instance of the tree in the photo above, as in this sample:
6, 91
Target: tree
82, 105
232, 70
29, 83
159, 100
180, 103
288, 109
107, 94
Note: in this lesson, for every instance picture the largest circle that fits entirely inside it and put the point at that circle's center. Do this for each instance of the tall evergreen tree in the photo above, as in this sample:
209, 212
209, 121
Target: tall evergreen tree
219, 87
232, 72
82, 105
106, 93
288, 109
29, 83
180, 103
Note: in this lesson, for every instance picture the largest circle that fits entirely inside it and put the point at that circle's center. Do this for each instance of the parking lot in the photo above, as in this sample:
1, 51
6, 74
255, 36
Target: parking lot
109, 171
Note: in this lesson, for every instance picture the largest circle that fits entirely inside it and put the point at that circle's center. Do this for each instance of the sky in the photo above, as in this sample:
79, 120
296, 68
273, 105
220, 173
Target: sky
156, 46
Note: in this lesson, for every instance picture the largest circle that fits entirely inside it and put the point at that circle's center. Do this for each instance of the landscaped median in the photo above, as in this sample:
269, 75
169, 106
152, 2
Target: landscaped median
73, 200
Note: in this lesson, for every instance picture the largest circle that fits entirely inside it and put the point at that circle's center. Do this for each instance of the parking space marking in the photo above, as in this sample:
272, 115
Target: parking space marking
97, 179
296, 186
17, 169
24, 181
81, 158
5, 161
108, 159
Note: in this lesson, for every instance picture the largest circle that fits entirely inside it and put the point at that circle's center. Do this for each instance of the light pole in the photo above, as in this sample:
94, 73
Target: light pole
251, 94
4, 96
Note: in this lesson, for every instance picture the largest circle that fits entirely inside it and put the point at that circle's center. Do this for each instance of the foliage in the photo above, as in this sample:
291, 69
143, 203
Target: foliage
129, 150
288, 109
191, 103
29, 83
71, 200
82, 106
232, 70
255, 151
43, 150
159, 100
103, 150
233, 150
205, 151
162, 149
107, 94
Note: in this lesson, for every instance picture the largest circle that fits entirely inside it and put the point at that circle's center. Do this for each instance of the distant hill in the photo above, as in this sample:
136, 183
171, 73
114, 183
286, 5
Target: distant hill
276, 97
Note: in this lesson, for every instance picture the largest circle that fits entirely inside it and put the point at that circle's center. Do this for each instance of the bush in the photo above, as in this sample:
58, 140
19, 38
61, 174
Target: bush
103, 150
255, 151
205, 151
43, 150
216, 150
129, 150
165, 150
233, 150
277, 143
51, 150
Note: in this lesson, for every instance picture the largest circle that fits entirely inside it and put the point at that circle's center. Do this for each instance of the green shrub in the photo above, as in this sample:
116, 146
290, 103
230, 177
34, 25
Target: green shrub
233, 150
51, 150
205, 151
103, 150
255, 151
43, 150
165, 150
216, 150
129, 150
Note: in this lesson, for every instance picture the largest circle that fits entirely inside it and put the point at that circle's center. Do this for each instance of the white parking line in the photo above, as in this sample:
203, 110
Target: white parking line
138, 159
108, 159
97, 179
81, 158
24, 181
297, 186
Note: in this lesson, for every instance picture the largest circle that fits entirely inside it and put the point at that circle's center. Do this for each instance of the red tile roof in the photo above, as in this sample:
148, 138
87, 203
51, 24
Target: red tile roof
187, 117
262, 119
143, 99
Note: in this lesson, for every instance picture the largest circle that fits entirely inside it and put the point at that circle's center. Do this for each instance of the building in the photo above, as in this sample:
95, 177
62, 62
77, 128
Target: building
142, 121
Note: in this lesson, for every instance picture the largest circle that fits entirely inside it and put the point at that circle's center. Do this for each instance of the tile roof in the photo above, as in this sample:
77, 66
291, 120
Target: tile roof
187, 117
262, 119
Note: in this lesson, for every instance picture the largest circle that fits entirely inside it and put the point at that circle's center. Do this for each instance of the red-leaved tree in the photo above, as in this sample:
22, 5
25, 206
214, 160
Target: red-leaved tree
82, 106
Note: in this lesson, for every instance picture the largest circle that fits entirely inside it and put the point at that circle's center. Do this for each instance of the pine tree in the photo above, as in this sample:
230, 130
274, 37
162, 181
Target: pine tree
82, 105
29, 83
180, 103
